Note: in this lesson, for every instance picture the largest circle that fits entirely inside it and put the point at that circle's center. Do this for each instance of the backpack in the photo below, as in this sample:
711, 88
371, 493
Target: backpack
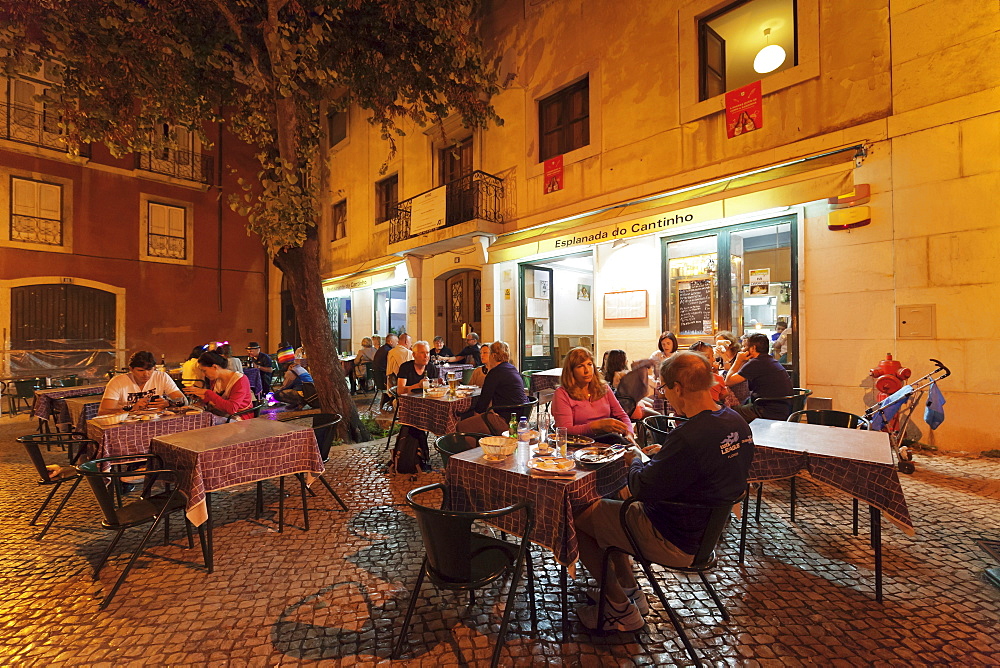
410, 453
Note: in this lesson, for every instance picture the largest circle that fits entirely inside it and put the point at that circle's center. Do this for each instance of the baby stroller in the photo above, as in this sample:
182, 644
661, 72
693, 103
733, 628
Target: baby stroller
892, 414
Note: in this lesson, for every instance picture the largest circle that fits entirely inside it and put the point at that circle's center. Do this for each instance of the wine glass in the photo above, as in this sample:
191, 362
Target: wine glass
543, 424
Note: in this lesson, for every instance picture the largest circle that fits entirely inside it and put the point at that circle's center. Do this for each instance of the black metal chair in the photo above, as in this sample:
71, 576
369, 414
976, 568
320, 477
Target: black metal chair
704, 560
148, 507
253, 410
656, 427
459, 559
378, 378
23, 393
521, 410
454, 443
52, 475
324, 426
796, 401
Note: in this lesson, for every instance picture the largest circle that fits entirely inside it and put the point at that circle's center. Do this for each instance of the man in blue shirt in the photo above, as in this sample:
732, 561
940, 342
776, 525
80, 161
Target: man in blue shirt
765, 376
290, 391
703, 461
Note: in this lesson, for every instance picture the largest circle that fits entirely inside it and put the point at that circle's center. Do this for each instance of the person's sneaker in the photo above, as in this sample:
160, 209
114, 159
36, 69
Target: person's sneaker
626, 620
635, 594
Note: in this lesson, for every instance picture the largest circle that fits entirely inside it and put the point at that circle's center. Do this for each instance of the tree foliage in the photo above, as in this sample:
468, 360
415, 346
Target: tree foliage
270, 70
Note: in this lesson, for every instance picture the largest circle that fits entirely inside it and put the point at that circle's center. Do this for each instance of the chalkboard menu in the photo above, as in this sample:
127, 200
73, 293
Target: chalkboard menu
694, 306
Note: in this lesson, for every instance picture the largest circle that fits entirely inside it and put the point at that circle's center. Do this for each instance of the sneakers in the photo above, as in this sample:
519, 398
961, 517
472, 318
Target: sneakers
635, 594
627, 619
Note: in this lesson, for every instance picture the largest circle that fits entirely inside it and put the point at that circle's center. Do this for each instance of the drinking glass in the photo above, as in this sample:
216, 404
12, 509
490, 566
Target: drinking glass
542, 424
452, 381
561, 437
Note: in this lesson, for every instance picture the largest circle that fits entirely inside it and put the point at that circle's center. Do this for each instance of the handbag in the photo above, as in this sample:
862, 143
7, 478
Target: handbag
489, 422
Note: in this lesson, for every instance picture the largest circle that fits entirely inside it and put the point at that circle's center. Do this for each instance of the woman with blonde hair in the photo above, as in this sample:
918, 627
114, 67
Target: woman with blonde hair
584, 404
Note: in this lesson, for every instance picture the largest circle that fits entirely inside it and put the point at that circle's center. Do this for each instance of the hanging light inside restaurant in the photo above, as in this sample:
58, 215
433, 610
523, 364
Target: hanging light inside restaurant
770, 57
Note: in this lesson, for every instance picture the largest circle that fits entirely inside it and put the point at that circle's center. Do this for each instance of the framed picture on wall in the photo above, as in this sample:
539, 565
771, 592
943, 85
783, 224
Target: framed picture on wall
583, 292
541, 286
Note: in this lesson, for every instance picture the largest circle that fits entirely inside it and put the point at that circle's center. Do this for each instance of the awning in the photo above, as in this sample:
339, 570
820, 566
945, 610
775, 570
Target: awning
361, 276
784, 184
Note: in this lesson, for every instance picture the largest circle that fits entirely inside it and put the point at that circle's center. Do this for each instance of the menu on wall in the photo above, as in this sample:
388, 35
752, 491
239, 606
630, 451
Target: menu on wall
694, 306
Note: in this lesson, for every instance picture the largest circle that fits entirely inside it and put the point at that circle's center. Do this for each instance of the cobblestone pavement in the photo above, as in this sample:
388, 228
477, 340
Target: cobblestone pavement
335, 595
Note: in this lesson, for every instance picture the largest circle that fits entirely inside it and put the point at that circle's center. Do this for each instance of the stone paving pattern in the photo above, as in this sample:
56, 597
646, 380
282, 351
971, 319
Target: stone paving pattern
334, 596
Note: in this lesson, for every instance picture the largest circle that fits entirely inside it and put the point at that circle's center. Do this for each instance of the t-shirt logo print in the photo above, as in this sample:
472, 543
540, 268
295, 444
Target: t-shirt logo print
730, 445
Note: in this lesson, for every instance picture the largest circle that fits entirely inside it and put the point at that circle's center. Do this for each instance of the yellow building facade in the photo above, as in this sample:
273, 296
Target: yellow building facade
858, 205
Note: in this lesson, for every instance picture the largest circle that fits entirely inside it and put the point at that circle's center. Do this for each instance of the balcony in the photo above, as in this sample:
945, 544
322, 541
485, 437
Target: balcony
472, 206
35, 128
180, 164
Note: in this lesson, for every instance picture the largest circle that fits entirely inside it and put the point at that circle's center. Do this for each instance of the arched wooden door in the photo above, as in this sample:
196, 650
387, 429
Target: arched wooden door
463, 307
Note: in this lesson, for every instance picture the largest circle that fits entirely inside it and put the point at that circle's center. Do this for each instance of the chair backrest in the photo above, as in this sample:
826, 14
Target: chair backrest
454, 443
324, 426
253, 409
309, 393
796, 401
447, 536
467, 376
105, 500
658, 426
25, 389
379, 376
718, 518
628, 404
522, 410
32, 443
830, 418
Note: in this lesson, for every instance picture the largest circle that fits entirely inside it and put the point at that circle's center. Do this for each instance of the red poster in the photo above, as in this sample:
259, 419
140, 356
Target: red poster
553, 174
743, 110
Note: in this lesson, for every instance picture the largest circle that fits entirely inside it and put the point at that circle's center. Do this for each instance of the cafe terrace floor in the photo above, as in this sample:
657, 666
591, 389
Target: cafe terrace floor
335, 595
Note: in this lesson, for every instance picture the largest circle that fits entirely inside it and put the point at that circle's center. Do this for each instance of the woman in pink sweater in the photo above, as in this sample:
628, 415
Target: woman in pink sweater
585, 404
230, 391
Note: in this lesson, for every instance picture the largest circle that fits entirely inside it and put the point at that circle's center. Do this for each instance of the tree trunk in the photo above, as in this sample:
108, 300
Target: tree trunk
301, 269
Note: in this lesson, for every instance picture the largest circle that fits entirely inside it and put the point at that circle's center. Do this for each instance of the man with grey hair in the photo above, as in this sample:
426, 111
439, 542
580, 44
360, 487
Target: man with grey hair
401, 353
470, 353
412, 373
704, 461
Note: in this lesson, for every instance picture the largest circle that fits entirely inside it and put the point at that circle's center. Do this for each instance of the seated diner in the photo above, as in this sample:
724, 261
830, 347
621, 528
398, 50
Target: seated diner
229, 391
585, 405
142, 388
479, 373
503, 385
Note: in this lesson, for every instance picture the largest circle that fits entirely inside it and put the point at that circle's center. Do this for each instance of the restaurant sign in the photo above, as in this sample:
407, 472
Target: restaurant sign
632, 228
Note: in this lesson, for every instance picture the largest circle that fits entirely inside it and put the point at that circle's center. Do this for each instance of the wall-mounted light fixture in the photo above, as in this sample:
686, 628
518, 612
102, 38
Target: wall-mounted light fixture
770, 57
619, 243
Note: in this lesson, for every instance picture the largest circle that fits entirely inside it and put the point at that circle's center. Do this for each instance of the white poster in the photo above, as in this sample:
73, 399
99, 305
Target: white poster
760, 280
427, 211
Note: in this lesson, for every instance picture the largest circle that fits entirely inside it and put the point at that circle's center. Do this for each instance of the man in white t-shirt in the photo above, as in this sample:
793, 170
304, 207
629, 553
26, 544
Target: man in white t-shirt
143, 387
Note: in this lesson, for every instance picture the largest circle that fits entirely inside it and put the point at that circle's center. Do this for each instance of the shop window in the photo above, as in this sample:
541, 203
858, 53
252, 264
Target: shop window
166, 233
336, 127
456, 161
36, 212
564, 120
387, 199
338, 220
744, 42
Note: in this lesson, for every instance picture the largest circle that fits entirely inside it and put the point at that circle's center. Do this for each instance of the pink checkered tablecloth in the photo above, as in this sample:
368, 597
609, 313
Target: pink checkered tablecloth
475, 484
236, 453
855, 461
133, 438
75, 411
45, 404
438, 416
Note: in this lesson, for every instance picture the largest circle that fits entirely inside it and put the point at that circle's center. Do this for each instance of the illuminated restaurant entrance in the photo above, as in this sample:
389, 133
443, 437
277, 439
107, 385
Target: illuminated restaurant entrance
741, 278
556, 309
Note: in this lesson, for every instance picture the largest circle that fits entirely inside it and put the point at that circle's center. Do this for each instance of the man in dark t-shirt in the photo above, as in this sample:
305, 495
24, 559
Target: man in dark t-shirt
703, 461
410, 376
470, 353
765, 376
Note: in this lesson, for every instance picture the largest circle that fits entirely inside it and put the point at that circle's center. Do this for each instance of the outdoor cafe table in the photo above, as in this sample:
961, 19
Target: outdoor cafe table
75, 411
856, 461
544, 380
45, 400
235, 453
436, 415
133, 437
475, 484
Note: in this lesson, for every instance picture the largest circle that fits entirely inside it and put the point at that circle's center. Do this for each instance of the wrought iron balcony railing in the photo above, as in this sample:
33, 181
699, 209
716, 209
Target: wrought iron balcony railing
35, 230
475, 196
189, 165
36, 128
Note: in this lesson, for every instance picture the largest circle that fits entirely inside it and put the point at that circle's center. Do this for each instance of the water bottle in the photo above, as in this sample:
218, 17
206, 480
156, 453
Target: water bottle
522, 431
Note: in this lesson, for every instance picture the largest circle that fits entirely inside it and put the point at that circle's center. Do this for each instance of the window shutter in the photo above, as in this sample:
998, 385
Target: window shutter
49, 201
175, 221
157, 219
25, 200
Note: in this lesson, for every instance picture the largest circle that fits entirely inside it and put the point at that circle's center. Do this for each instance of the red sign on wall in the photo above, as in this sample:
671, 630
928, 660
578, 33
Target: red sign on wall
743, 110
553, 179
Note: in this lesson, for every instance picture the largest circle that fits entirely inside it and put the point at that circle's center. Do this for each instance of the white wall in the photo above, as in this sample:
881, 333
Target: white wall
571, 316
635, 266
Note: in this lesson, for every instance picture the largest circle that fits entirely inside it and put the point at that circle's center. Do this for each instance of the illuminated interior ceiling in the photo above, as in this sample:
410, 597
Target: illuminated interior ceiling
743, 29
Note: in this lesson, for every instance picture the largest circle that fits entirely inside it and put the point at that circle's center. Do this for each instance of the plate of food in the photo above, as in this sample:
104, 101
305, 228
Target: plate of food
573, 441
552, 465
598, 455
